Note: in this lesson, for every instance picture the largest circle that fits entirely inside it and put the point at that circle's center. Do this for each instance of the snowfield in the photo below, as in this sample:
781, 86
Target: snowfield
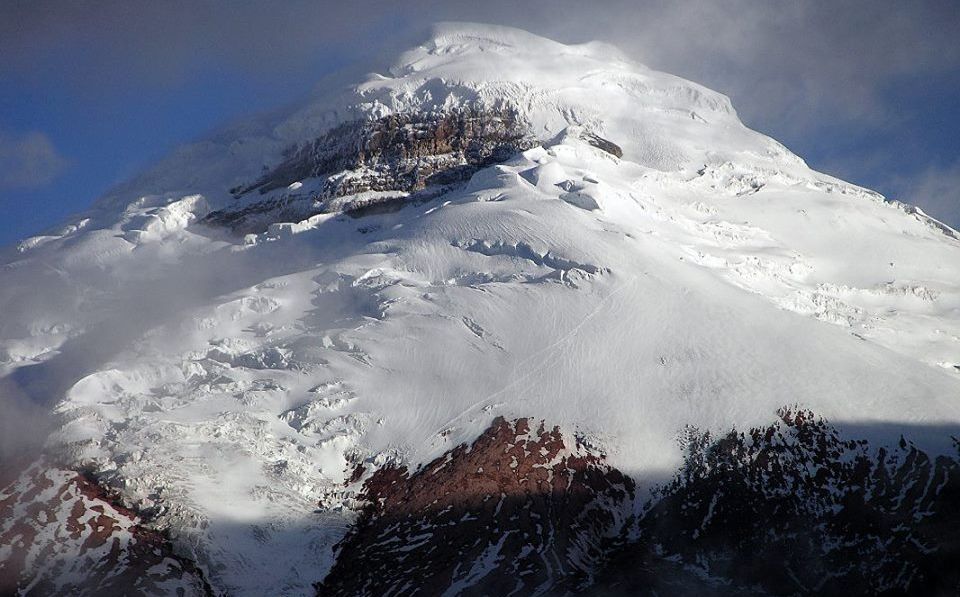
231, 384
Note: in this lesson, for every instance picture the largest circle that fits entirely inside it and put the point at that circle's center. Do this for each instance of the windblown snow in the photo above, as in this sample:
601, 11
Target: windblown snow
707, 277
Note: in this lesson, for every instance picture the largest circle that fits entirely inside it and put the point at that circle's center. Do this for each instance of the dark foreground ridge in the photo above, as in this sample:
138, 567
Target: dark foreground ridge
792, 508
517, 510
788, 509
795, 509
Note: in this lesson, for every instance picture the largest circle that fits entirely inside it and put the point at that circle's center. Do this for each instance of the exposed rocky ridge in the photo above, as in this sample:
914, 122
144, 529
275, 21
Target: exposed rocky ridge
788, 509
794, 508
791, 508
519, 511
61, 533
397, 154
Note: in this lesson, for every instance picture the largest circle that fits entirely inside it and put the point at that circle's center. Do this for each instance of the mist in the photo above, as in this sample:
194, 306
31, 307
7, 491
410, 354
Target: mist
104, 311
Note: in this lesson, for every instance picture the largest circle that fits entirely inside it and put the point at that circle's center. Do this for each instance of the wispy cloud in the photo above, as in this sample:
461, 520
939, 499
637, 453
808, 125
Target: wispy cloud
936, 190
28, 160
795, 63
781, 62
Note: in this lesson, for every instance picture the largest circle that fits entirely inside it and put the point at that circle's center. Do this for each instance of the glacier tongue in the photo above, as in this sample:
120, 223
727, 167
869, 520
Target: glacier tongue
705, 276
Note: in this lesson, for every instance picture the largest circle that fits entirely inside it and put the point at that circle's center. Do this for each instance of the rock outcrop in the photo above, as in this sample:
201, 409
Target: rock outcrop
794, 508
523, 509
62, 534
790, 508
786, 509
393, 156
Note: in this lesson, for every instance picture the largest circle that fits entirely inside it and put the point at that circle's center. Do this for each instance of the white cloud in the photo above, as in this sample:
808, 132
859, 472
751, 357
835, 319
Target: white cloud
794, 62
28, 160
936, 191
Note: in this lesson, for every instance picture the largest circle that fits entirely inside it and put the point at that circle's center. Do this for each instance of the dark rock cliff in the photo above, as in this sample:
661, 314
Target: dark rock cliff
517, 511
401, 154
793, 508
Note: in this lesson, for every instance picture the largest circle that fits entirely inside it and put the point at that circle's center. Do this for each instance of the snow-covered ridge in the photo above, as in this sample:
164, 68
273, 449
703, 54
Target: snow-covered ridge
551, 84
705, 276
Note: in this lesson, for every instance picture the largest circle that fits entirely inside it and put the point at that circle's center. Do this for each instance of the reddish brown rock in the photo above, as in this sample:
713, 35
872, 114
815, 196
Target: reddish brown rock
63, 534
523, 508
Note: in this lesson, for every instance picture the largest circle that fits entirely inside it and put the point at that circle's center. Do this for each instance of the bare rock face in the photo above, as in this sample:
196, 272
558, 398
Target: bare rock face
521, 510
603, 144
786, 509
794, 508
400, 154
62, 534
791, 508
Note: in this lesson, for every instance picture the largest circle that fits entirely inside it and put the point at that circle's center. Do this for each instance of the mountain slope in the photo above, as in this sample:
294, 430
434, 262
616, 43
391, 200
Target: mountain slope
608, 249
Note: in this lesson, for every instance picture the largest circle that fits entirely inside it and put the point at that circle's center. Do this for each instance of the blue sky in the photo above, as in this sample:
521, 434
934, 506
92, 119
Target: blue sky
103, 139
92, 93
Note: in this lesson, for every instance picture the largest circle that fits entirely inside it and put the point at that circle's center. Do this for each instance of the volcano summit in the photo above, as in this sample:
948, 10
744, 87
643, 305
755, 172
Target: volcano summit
504, 317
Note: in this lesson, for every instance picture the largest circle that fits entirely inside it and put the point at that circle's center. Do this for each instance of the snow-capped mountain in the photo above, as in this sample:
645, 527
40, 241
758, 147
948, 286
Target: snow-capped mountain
502, 279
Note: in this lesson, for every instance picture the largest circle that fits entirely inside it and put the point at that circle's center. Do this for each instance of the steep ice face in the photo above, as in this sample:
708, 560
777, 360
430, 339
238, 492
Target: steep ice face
704, 276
